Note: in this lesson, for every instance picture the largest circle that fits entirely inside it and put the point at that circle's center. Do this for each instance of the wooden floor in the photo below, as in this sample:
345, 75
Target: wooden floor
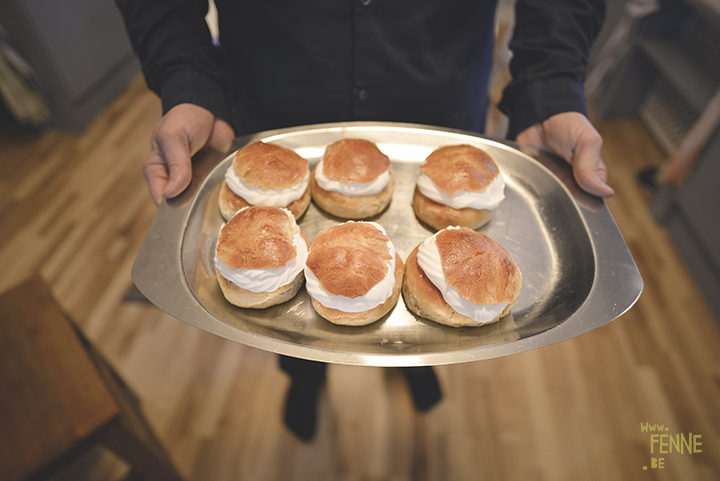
76, 209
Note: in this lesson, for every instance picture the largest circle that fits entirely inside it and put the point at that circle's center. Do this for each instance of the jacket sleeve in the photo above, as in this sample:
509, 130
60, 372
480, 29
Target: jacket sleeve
550, 45
179, 61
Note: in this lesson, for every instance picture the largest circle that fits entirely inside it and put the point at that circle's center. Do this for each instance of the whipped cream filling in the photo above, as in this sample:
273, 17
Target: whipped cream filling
267, 280
488, 198
428, 258
270, 197
373, 298
352, 188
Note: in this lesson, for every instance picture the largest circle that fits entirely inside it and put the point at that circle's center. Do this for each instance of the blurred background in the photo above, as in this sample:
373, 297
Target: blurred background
75, 125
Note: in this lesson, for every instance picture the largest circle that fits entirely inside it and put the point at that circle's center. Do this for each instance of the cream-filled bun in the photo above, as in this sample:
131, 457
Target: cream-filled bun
260, 257
353, 180
458, 185
266, 174
353, 274
459, 277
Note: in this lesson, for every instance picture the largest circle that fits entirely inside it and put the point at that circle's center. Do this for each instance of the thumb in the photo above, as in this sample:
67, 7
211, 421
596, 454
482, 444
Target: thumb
221, 132
589, 170
181, 132
177, 154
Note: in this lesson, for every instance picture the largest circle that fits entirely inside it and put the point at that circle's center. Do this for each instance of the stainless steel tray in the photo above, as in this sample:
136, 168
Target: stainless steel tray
578, 273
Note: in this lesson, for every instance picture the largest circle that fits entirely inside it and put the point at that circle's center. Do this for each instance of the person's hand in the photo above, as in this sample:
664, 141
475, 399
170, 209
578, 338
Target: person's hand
571, 136
183, 130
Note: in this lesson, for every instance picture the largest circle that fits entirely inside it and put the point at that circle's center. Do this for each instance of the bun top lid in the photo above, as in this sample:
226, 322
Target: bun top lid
349, 259
457, 168
479, 268
354, 160
258, 237
269, 166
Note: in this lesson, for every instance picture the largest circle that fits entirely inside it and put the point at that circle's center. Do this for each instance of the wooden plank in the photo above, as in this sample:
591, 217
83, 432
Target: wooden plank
57, 398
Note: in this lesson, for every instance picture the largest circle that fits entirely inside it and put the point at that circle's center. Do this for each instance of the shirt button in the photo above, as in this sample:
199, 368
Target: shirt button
362, 94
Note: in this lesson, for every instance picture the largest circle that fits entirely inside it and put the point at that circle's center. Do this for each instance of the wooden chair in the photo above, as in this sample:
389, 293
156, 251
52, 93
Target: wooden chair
59, 397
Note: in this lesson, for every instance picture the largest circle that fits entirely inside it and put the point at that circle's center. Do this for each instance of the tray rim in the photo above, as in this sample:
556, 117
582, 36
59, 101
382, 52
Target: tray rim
614, 263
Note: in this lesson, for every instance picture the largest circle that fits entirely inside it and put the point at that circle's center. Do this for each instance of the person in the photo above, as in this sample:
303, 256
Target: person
281, 63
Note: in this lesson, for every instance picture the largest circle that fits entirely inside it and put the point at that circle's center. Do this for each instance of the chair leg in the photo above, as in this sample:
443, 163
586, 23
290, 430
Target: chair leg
137, 446
129, 435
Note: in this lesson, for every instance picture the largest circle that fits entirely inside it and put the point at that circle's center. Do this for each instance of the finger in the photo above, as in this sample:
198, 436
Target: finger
590, 171
573, 137
592, 178
533, 137
156, 175
177, 159
221, 132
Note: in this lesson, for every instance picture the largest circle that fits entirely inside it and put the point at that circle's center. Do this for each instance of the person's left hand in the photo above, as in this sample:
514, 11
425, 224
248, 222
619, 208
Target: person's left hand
571, 136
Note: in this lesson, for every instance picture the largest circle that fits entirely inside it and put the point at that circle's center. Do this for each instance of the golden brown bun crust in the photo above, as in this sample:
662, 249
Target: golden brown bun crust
257, 238
230, 202
460, 167
340, 253
352, 207
439, 216
371, 315
354, 160
269, 166
479, 268
424, 299
240, 297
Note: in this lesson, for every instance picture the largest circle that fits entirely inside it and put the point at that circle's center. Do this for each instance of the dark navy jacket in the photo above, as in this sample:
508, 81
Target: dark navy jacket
284, 63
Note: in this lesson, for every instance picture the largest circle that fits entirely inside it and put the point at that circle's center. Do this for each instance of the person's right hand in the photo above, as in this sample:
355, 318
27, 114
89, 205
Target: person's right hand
183, 130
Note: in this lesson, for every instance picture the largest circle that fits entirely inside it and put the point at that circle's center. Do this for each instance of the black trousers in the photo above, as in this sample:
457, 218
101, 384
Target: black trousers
312, 373
304, 371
